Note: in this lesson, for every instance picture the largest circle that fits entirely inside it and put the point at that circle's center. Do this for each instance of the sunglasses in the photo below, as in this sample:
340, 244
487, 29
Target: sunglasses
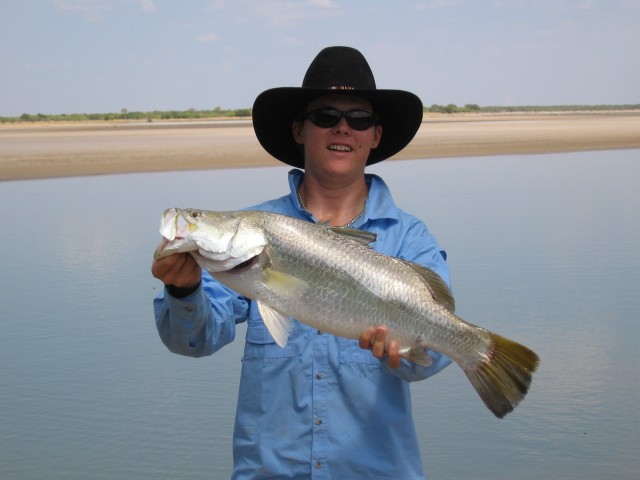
328, 117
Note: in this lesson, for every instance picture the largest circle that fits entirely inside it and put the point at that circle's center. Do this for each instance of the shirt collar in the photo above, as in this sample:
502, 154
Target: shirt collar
379, 205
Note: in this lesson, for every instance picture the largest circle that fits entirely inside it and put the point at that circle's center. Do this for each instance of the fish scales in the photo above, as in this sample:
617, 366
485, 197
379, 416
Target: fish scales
330, 279
344, 274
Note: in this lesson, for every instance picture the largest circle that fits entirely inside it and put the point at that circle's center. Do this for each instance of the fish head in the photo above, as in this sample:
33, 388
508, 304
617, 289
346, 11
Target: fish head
218, 241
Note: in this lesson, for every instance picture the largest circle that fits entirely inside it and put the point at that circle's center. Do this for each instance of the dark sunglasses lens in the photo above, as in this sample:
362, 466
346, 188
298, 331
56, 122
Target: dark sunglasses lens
360, 120
330, 117
325, 117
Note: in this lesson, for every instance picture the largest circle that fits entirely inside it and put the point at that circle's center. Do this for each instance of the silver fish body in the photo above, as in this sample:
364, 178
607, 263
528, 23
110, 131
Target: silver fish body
330, 279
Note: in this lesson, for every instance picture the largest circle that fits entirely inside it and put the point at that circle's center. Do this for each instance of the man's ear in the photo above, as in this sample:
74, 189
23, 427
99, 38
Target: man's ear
296, 129
377, 136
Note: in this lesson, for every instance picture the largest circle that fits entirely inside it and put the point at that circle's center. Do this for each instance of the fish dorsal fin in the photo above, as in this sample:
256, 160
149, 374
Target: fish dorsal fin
361, 236
279, 325
439, 289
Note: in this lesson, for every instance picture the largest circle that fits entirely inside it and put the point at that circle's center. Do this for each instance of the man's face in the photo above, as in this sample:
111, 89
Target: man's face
340, 149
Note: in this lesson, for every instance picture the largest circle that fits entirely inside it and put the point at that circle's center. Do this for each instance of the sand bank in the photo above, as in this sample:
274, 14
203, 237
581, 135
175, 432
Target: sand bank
53, 150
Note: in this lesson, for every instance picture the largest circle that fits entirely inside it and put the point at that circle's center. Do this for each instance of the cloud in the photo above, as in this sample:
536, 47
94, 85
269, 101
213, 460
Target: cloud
93, 10
147, 6
586, 5
215, 6
90, 9
207, 38
436, 4
323, 3
283, 14
273, 13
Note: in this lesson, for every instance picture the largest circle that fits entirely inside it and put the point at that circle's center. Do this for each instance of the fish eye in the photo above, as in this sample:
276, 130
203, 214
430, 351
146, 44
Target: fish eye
196, 214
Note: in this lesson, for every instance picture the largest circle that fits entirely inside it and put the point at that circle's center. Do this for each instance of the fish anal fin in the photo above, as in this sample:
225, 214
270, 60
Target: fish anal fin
503, 377
278, 325
417, 355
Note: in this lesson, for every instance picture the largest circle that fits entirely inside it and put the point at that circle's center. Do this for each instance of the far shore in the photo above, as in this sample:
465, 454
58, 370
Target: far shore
74, 149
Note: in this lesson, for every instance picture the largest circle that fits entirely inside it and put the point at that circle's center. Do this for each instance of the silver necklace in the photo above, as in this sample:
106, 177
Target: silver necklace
348, 224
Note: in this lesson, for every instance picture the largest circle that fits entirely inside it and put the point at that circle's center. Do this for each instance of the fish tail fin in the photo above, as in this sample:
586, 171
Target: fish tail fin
502, 378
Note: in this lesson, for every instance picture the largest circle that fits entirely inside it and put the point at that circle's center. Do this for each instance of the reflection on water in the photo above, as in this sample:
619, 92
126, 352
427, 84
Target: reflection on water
542, 249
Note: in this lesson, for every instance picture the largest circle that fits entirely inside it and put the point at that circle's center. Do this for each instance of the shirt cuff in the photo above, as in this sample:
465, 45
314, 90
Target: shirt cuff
181, 292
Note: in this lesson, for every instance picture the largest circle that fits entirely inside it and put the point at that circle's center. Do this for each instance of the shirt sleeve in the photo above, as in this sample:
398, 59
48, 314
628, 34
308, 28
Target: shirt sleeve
420, 246
201, 323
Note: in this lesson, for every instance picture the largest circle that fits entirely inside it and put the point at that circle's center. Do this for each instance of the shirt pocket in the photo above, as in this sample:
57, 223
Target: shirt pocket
351, 353
260, 343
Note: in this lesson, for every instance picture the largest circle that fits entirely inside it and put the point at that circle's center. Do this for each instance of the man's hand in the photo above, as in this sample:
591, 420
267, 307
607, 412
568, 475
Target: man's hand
179, 270
374, 339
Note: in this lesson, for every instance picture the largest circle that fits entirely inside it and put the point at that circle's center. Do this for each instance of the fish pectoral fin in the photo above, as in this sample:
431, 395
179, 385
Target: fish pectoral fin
284, 284
418, 355
279, 325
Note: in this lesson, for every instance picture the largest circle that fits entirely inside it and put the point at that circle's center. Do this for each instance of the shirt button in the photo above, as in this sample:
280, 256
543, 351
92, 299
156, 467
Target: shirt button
318, 421
319, 375
317, 465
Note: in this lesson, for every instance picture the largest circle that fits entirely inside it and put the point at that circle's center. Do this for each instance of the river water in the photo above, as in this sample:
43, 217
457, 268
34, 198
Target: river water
543, 249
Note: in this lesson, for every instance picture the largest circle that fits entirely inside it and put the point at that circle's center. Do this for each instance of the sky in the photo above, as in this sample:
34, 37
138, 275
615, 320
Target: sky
101, 56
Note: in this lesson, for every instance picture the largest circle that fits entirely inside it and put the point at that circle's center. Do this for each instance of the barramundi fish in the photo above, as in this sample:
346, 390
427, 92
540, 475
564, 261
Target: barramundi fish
331, 279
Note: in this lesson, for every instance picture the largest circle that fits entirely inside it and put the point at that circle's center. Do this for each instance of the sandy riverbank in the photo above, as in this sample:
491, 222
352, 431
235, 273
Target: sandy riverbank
53, 150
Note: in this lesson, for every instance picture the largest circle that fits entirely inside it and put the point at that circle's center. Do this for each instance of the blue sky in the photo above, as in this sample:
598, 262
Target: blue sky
87, 56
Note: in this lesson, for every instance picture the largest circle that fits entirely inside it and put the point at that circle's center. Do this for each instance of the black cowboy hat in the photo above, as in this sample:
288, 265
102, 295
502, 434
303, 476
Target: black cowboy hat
335, 70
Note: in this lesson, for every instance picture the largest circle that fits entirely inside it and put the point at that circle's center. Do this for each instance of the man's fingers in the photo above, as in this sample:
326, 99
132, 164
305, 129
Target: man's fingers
378, 342
365, 338
375, 339
163, 267
180, 270
393, 355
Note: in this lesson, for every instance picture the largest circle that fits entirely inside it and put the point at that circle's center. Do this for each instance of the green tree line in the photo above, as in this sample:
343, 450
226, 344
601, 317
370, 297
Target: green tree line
217, 112
190, 114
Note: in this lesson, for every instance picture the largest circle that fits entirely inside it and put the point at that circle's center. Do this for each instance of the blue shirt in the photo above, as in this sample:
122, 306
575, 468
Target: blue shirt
322, 407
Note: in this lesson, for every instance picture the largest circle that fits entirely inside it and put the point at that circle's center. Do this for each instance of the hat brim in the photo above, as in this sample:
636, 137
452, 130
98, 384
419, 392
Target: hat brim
274, 110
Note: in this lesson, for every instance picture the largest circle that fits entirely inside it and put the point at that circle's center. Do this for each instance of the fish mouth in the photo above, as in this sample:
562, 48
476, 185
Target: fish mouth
177, 245
160, 249
174, 227
164, 248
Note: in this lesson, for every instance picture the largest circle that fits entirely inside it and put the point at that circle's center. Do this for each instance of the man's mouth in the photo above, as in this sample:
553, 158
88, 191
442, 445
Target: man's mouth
340, 148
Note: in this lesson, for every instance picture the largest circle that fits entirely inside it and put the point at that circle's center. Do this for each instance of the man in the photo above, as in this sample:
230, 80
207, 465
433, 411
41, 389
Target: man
324, 406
